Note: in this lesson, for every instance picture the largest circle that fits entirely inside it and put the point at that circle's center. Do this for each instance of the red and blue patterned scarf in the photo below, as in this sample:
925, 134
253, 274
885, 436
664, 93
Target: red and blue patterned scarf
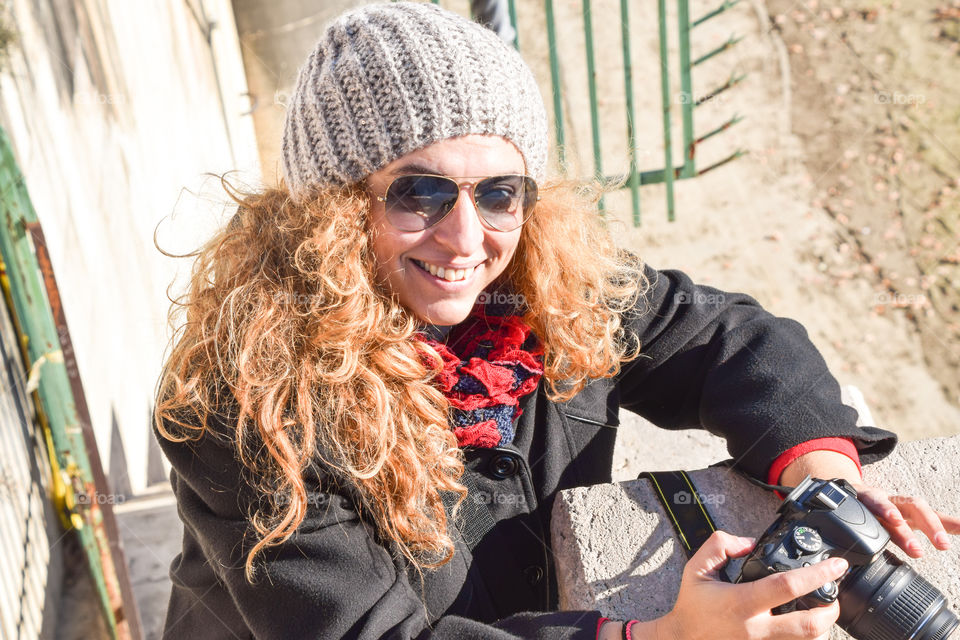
490, 360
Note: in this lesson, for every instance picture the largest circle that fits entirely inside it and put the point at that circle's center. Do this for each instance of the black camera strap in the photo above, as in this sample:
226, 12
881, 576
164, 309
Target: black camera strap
681, 501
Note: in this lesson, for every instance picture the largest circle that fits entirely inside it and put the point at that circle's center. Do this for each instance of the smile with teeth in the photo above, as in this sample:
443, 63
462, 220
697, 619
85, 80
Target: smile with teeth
450, 275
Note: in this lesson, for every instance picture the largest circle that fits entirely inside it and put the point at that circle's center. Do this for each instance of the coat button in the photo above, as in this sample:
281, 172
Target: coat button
533, 574
504, 465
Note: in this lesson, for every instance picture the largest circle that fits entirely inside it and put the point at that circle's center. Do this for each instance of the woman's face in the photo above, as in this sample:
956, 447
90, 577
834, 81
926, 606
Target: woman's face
459, 241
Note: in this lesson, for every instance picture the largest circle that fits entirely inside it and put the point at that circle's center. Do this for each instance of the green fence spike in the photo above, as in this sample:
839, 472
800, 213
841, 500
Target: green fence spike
723, 7
732, 40
732, 81
733, 156
726, 125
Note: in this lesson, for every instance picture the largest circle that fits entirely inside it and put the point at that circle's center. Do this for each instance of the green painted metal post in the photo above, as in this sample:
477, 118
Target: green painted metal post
634, 181
688, 170
557, 88
66, 426
668, 170
592, 87
513, 21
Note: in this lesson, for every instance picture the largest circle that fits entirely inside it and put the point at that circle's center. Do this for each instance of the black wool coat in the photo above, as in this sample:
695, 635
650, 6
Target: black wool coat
712, 359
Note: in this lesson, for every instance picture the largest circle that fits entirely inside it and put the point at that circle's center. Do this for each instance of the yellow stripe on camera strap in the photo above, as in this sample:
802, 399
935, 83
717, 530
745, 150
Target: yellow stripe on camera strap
681, 500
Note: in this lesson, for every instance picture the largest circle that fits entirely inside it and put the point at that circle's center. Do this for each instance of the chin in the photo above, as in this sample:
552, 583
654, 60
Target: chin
445, 313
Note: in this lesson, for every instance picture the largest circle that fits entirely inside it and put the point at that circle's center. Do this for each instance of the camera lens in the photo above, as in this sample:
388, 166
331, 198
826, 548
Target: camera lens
889, 600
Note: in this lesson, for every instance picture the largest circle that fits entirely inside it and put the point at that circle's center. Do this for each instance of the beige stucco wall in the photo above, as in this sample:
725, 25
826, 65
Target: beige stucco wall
113, 108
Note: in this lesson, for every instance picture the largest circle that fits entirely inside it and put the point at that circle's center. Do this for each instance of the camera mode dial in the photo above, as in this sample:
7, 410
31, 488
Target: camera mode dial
807, 539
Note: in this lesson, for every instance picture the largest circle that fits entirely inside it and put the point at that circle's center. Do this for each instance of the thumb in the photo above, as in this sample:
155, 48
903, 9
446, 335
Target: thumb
715, 552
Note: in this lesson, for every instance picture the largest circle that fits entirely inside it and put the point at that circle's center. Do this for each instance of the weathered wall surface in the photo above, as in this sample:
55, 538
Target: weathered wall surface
113, 108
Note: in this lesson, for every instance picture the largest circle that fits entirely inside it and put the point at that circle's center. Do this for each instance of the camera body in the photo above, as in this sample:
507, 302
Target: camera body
818, 519
880, 597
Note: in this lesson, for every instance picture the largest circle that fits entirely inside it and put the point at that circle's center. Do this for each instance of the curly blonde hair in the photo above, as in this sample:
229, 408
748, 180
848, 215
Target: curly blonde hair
283, 316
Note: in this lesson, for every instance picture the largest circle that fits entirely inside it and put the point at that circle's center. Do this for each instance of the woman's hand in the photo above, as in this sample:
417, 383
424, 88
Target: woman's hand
708, 608
901, 515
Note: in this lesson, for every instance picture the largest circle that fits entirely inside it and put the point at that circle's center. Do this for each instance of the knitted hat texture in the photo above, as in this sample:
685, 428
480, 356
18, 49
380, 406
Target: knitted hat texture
388, 79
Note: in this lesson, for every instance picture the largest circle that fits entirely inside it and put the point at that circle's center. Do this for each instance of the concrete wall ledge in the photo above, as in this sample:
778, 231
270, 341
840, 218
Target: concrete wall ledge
616, 549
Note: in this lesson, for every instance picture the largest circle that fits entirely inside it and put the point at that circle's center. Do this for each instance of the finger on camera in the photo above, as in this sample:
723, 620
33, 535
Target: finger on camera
902, 535
782, 587
714, 553
808, 624
882, 506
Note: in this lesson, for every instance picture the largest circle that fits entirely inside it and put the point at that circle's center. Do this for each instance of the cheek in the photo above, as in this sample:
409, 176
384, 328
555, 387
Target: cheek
387, 245
505, 244
381, 239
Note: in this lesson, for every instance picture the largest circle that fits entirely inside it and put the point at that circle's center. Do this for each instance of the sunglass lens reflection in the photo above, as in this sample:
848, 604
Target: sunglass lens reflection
422, 196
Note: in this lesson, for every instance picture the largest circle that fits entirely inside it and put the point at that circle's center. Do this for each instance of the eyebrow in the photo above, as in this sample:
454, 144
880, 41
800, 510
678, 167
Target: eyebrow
413, 167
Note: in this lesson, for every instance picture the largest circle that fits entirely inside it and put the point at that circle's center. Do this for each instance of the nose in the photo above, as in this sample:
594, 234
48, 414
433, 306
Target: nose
461, 230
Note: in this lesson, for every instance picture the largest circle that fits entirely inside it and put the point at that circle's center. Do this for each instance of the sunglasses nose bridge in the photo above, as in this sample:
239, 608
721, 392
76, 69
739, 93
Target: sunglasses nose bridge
461, 229
470, 188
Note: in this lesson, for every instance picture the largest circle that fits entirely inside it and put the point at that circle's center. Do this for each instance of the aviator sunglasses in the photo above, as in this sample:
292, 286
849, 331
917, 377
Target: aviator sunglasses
415, 202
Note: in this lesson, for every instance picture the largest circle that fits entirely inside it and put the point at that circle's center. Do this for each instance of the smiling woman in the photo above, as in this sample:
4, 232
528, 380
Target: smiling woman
390, 364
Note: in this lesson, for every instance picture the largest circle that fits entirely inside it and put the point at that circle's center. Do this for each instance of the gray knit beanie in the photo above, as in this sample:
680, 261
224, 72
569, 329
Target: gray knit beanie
388, 79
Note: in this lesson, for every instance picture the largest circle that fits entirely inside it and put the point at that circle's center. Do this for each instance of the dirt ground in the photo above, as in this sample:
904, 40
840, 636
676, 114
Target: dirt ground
842, 215
876, 100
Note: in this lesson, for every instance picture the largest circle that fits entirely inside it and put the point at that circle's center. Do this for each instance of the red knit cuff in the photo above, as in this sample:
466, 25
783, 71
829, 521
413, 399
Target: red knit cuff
600, 624
840, 445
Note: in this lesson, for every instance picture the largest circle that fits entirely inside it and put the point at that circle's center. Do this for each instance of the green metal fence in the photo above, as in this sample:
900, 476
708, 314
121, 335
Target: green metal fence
81, 493
688, 104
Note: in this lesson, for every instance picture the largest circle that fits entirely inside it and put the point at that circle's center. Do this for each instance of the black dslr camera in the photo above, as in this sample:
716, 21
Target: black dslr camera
880, 597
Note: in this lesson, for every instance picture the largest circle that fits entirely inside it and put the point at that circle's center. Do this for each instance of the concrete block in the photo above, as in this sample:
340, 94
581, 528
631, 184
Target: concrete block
617, 551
